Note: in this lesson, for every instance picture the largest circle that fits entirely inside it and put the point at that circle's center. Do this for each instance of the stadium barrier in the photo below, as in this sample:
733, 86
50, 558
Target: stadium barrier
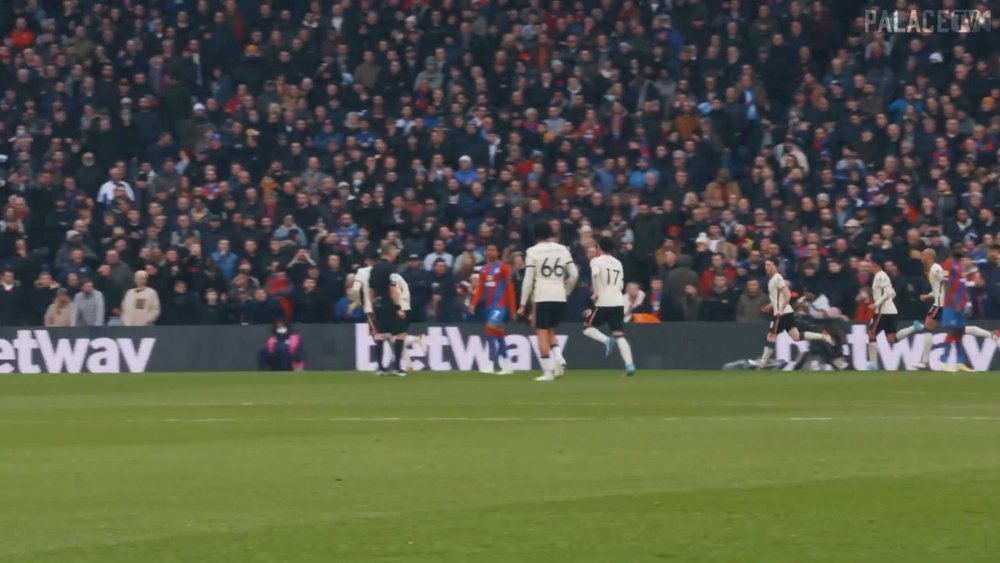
447, 347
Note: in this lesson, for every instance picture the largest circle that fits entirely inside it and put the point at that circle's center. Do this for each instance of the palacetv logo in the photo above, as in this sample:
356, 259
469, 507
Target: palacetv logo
903, 355
35, 351
448, 349
928, 21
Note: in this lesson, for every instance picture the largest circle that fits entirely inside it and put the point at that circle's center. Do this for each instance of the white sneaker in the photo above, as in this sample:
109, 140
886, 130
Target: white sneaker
546, 377
506, 369
920, 365
487, 371
560, 368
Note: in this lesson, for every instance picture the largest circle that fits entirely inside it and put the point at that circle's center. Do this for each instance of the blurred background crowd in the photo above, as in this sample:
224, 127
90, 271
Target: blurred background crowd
235, 161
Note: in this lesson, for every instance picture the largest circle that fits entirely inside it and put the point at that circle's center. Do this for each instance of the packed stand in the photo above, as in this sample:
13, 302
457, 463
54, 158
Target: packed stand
198, 161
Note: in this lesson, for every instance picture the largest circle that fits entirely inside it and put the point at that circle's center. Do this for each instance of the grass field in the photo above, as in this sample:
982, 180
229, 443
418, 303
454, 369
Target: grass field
678, 466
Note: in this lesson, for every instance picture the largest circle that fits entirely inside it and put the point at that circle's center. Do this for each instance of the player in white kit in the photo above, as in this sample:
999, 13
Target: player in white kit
780, 306
608, 284
360, 298
884, 319
549, 276
936, 277
405, 304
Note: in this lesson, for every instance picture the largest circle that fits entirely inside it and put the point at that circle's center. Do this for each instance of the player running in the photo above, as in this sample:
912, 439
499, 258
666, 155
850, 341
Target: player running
938, 279
549, 276
884, 319
780, 305
608, 284
496, 292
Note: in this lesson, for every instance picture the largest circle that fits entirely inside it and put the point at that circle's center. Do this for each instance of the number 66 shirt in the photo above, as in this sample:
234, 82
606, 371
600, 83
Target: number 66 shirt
550, 273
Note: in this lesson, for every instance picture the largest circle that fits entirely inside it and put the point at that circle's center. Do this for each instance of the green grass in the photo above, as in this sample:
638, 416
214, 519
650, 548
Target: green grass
435, 468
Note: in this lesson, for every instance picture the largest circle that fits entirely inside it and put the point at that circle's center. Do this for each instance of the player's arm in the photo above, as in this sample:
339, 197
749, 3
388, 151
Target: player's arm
784, 298
595, 276
477, 293
510, 298
885, 294
529, 283
572, 273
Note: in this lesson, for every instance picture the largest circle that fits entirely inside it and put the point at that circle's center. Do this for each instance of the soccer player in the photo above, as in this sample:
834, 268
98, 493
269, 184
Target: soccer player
780, 306
406, 304
388, 314
361, 297
608, 284
936, 279
953, 315
939, 282
495, 291
549, 277
884, 319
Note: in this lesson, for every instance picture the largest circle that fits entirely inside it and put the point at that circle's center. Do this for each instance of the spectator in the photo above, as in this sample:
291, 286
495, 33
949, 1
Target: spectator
750, 306
182, 307
311, 305
262, 309
88, 306
10, 299
60, 312
720, 303
347, 136
225, 260
141, 305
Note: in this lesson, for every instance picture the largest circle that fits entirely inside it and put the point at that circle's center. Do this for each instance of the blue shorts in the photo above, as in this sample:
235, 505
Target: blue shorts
951, 318
496, 315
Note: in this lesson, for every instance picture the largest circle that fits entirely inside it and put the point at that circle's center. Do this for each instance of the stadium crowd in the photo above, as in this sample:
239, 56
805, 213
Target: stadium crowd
206, 161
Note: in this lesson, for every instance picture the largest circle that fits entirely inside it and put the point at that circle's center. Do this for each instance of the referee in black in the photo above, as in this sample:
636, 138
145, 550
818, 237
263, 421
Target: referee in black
389, 317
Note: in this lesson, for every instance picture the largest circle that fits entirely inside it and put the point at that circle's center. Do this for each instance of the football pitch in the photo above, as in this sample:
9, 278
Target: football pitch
344, 467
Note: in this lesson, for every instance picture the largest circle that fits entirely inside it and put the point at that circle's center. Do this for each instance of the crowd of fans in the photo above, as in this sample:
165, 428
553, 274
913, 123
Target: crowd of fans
207, 161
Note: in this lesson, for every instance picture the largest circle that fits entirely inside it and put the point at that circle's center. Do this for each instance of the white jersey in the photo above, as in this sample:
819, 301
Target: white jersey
936, 278
360, 289
404, 291
549, 275
883, 293
775, 287
608, 280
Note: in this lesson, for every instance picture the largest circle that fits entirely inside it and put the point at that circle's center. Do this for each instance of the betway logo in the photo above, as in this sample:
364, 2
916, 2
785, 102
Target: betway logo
903, 355
34, 351
447, 349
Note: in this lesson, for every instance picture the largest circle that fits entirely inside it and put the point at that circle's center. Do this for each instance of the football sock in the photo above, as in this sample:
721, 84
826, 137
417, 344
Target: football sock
397, 349
502, 347
547, 365
594, 334
905, 333
557, 354
491, 341
625, 350
768, 350
873, 353
925, 356
977, 332
813, 335
378, 351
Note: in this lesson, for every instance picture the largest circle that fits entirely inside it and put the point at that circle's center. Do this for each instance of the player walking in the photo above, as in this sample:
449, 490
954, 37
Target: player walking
388, 317
780, 305
409, 340
608, 283
884, 319
496, 292
549, 276
361, 297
